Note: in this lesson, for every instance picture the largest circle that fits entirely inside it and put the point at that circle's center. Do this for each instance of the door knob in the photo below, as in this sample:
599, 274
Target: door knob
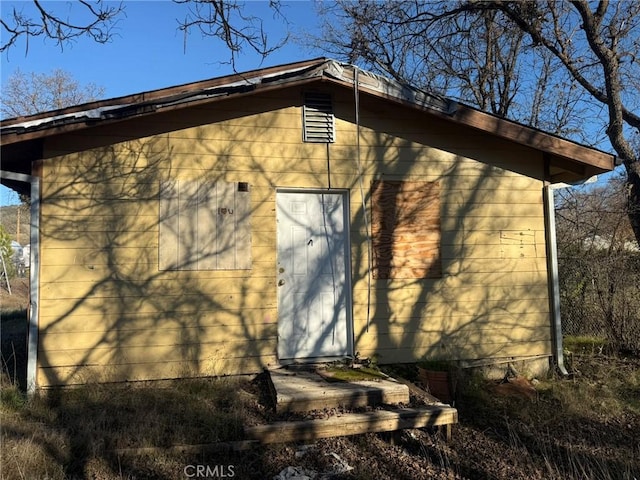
280, 282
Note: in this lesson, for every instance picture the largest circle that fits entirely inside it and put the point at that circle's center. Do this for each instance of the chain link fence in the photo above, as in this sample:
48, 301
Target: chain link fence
600, 297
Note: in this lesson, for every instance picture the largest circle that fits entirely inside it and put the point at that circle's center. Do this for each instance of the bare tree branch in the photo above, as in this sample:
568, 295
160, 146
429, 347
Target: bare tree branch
99, 24
557, 43
605, 32
585, 52
223, 20
227, 21
26, 94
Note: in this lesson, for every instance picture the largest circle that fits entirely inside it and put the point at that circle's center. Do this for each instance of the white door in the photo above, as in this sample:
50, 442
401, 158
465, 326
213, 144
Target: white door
313, 293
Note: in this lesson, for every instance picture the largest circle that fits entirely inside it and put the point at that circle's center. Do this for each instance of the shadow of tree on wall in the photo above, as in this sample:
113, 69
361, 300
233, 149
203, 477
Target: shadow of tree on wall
108, 312
489, 290
102, 284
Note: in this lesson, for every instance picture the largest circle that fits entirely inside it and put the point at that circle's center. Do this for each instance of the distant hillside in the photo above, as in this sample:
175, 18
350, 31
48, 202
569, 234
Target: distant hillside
15, 219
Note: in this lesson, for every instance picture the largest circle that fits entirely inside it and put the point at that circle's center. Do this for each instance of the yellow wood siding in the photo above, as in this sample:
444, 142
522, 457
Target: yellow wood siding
109, 313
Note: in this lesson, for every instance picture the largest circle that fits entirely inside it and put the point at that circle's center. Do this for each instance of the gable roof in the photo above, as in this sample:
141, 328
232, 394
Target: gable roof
566, 160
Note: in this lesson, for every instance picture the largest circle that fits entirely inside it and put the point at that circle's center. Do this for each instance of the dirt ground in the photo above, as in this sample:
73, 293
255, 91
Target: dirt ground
19, 297
13, 348
585, 427
499, 437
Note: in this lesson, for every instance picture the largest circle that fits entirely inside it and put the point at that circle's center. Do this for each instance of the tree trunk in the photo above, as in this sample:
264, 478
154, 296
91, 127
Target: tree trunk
633, 196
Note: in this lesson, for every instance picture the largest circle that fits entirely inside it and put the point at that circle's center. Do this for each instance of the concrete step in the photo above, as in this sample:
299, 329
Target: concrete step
303, 391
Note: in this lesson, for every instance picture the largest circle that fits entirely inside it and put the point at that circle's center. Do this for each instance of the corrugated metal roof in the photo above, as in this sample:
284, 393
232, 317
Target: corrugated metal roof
41, 125
116, 108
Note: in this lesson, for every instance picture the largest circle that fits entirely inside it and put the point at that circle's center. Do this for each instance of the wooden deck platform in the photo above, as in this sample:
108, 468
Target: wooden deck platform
303, 391
354, 424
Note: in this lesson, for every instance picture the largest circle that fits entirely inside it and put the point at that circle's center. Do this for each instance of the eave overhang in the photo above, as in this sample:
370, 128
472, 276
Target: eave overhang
566, 160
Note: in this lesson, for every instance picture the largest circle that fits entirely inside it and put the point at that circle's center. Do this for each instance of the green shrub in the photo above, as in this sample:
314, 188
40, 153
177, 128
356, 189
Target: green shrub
6, 251
585, 345
11, 398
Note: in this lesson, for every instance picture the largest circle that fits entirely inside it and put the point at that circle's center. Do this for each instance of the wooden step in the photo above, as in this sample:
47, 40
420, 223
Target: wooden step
354, 424
302, 391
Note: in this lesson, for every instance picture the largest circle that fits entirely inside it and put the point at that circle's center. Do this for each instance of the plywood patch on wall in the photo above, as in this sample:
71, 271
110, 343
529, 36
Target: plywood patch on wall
405, 227
204, 225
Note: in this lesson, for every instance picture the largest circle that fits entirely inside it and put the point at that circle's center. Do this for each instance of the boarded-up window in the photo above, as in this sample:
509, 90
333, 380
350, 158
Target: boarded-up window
405, 227
204, 225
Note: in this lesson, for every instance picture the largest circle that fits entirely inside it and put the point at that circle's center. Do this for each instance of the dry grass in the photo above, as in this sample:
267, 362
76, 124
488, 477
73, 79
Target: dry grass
587, 427
13, 345
17, 302
584, 427
75, 432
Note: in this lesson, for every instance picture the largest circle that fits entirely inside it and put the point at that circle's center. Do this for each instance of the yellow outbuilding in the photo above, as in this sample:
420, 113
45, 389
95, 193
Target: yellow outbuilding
304, 212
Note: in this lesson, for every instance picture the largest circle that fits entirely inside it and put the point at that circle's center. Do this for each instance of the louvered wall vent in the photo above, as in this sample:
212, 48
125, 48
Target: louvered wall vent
318, 118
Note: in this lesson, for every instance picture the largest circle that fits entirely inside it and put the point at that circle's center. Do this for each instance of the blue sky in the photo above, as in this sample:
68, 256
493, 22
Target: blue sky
148, 51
